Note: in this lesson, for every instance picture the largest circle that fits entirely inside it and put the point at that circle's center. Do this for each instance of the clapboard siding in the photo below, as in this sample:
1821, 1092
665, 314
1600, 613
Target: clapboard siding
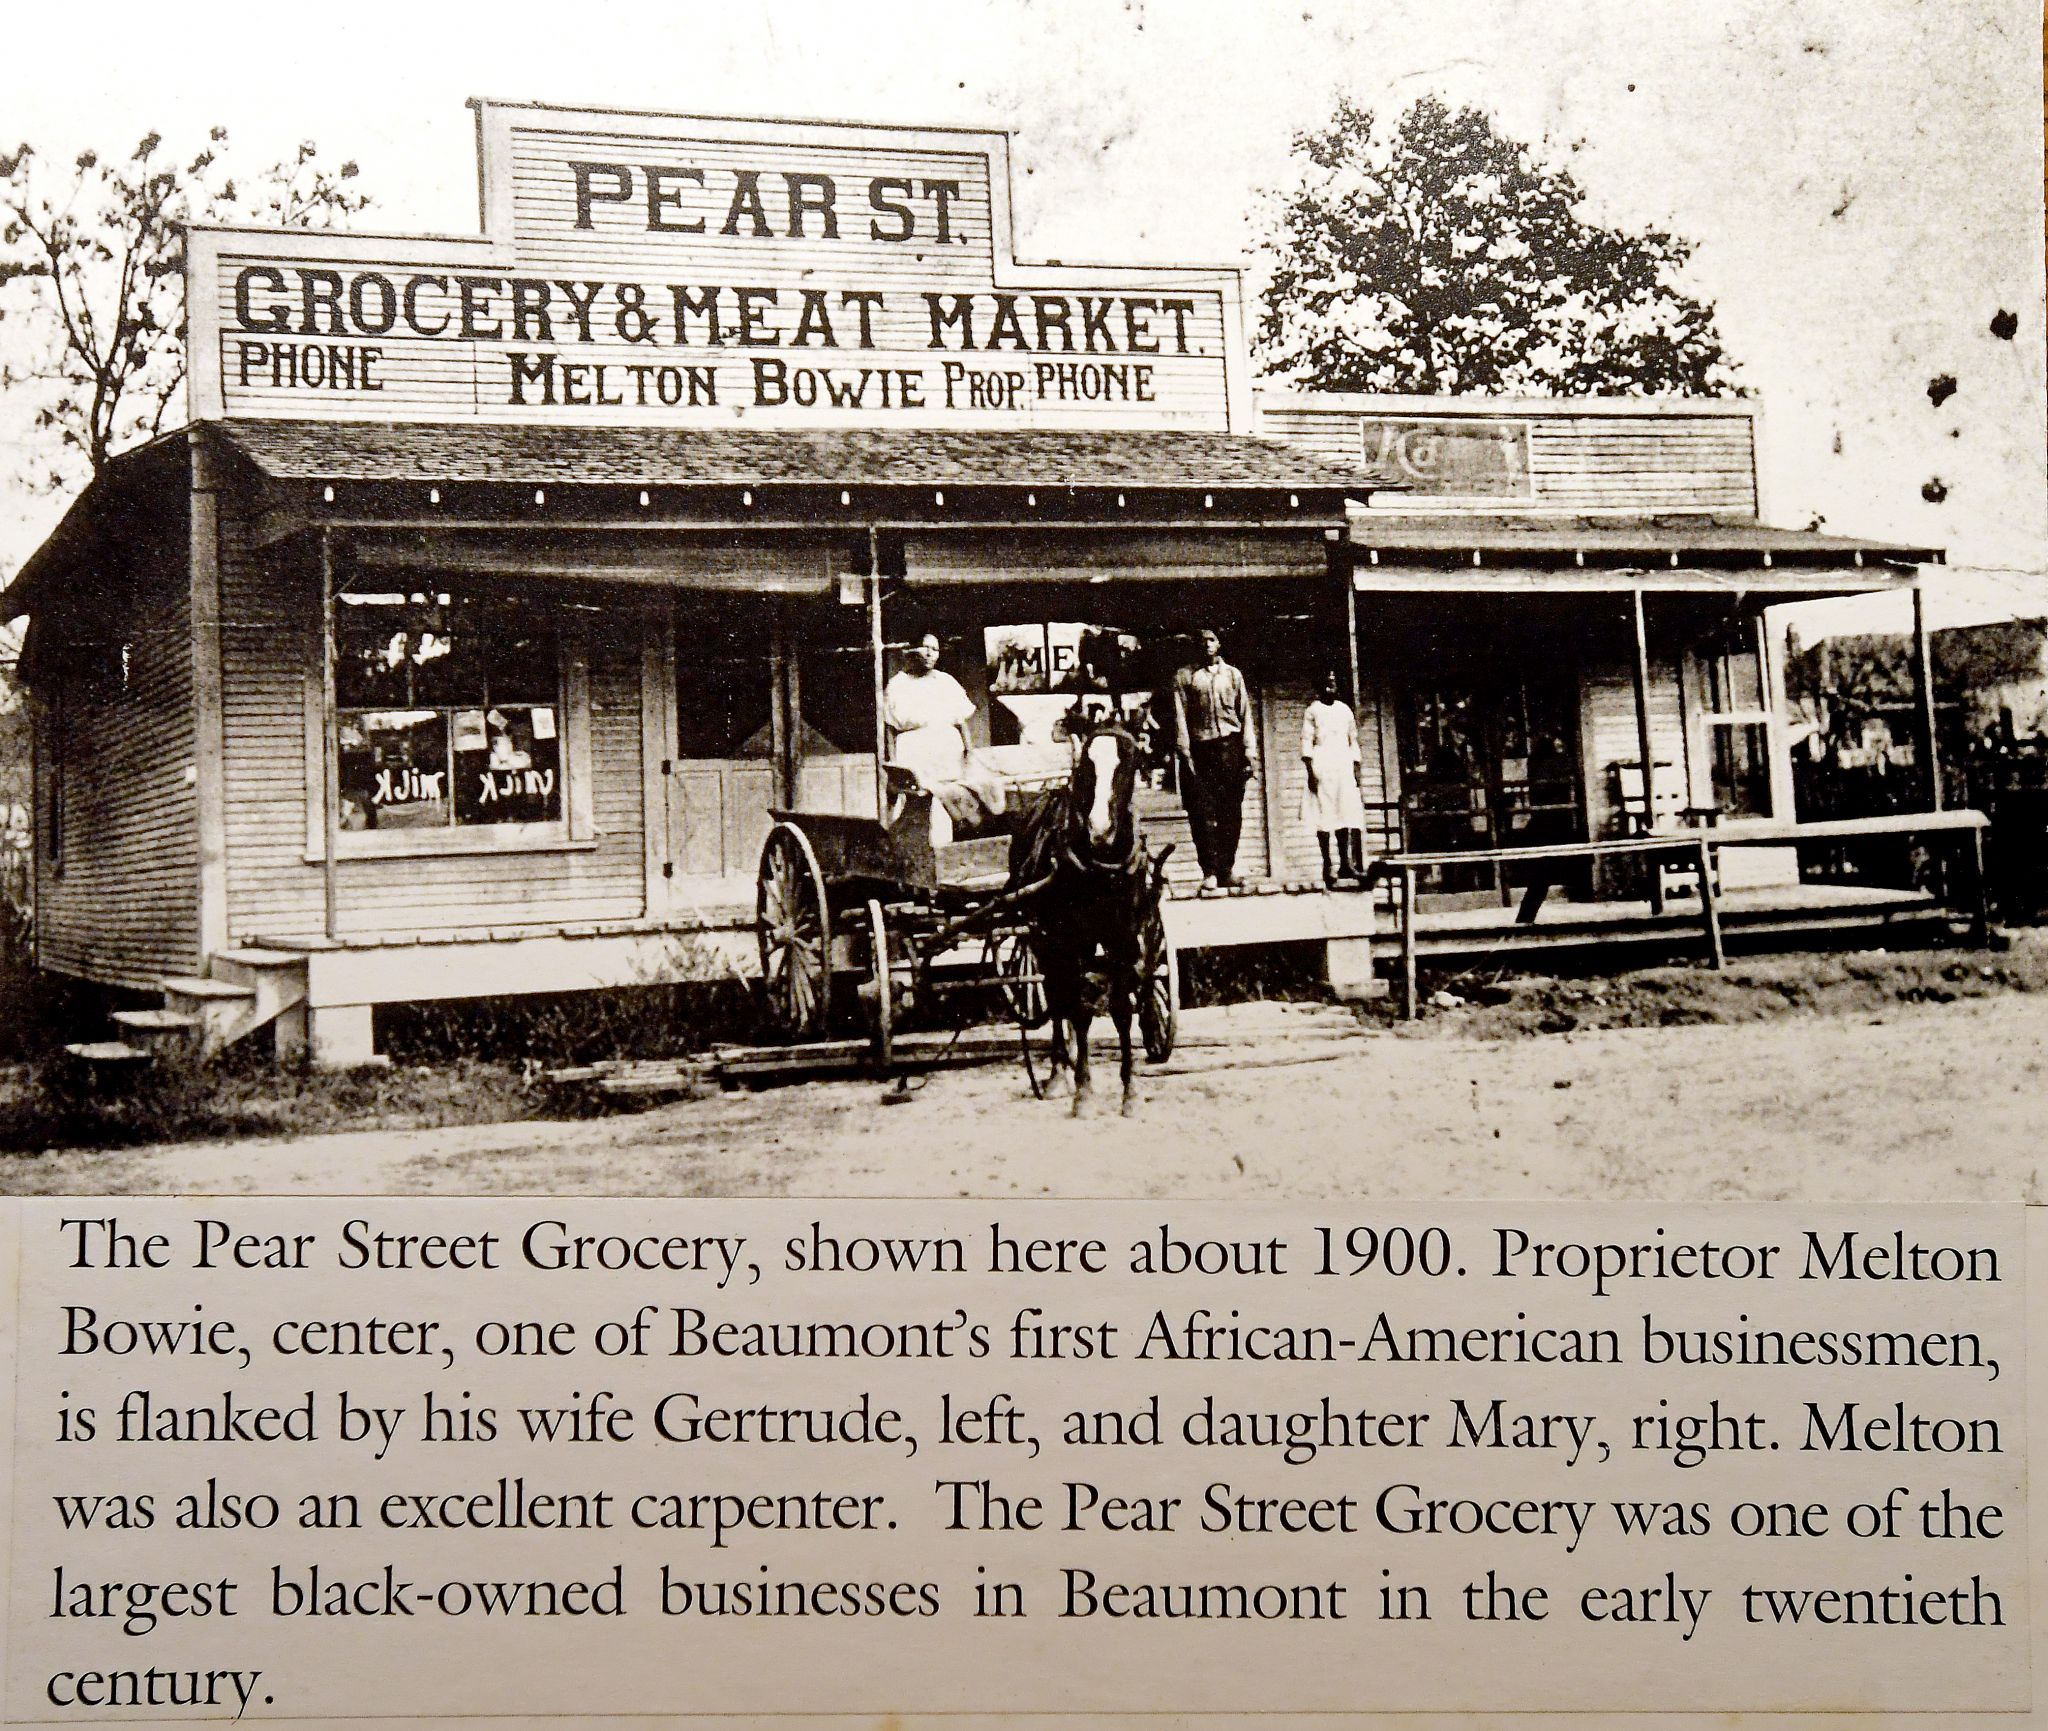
276, 891
269, 637
1668, 461
1300, 860
124, 909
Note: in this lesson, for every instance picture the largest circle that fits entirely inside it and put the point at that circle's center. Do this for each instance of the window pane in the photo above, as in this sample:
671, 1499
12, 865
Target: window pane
1017, 661
394, 769
373, 651
1742, 769
836, 691
522, 658
508, 765
447, 654
723, 706
450, 710
1735, 682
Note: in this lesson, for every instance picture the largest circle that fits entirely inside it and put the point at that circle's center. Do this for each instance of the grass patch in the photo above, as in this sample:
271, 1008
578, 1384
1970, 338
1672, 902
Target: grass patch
1868, 983
651, 1021
1243, 973
48, 1105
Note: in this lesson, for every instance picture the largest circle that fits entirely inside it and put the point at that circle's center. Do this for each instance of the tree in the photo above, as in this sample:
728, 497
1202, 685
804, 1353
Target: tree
1436, 256
92, 268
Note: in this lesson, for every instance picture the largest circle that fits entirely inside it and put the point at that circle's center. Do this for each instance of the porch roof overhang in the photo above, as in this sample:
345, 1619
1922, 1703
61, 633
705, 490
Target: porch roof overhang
488, 477
1692, 555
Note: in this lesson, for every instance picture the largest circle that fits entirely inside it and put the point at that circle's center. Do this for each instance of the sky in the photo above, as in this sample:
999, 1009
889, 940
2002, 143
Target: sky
1862, 178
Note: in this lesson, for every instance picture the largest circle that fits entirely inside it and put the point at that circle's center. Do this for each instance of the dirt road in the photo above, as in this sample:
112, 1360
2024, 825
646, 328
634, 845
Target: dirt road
1925, 1101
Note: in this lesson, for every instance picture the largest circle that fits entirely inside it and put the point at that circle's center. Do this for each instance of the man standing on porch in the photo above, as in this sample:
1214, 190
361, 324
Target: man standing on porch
1211, 712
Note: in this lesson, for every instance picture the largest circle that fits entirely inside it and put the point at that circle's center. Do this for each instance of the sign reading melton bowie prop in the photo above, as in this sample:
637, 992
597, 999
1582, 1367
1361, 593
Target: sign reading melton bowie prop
644, 270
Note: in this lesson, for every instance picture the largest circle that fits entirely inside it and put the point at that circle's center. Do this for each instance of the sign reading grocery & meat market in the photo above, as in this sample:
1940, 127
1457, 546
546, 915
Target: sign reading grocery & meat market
647, 270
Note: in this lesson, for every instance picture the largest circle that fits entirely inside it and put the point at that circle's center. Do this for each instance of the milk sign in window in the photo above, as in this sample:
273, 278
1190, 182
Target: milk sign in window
448, 711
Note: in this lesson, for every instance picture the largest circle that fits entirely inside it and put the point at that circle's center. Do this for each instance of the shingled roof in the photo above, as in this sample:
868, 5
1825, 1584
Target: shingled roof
731, 457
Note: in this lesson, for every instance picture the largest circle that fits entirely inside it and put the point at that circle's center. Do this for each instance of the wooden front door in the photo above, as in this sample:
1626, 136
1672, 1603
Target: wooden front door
725, 778
1485, 764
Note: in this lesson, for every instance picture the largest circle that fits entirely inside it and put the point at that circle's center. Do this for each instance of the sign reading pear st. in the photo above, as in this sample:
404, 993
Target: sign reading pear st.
649, 270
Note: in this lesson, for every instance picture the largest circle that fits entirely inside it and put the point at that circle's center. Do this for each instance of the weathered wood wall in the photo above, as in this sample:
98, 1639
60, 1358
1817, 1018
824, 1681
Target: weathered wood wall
1670, 459
124, 908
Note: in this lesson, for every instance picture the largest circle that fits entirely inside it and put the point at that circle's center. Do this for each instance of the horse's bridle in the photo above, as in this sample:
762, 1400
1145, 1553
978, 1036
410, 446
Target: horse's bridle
1080, 854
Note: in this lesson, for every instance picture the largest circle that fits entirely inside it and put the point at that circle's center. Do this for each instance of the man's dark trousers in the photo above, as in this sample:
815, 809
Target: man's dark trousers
1216, 802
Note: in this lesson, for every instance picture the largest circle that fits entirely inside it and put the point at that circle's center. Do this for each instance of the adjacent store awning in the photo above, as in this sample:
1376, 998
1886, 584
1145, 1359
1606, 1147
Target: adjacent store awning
1472, 554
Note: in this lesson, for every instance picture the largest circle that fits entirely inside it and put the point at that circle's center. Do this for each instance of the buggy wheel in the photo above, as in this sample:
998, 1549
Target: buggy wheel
882, 1003
1159, 1001
1011, 960
794, 927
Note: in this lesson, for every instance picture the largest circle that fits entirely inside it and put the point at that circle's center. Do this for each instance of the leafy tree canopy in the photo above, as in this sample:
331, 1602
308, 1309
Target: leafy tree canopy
1435, 256
92, 281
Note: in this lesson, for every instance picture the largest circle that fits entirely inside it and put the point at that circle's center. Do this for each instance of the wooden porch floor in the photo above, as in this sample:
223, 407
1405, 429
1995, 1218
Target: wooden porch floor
1754, 917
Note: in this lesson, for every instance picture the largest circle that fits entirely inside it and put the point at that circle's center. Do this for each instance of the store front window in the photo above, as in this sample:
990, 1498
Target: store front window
449, 712
1738, 721
1048, 681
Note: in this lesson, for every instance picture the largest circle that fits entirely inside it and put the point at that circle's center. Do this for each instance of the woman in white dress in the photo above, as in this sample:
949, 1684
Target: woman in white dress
927, 710
1329, 797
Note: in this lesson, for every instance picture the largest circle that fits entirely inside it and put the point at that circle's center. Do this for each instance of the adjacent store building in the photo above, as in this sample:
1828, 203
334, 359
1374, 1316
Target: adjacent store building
503, 585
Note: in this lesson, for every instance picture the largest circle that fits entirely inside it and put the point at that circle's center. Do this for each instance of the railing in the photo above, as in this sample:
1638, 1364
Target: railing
1696, 848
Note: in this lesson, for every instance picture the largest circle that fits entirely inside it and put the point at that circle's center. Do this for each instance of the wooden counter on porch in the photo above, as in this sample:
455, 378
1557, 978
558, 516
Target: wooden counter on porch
1798, 907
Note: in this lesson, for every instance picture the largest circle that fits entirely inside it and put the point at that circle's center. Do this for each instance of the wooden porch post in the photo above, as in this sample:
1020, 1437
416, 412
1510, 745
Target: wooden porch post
782, 708
1644, 745
1923, 699
1410, 1009
875, 649
1350, 596
330, 734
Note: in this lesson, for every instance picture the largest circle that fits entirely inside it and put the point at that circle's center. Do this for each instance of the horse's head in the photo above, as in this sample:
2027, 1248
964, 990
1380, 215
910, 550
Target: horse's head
1105, 775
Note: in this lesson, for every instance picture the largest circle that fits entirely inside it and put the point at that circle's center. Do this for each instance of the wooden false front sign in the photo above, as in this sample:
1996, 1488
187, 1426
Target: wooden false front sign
1452, 458
651, 270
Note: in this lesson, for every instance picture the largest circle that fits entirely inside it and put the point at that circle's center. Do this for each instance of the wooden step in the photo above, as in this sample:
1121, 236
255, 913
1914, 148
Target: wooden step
157, 1021
109, 1054
194, 987
255, 956
158, 1029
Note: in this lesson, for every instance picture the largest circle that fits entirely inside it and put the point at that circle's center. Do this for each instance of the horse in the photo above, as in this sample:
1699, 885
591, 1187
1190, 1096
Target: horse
1091, 887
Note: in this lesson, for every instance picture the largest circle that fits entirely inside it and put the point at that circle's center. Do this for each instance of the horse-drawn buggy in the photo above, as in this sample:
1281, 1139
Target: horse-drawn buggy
919, 919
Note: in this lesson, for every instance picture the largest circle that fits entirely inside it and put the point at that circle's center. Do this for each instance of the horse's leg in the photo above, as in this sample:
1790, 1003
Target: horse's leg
1082, 1086
1120, 1012
1062, 994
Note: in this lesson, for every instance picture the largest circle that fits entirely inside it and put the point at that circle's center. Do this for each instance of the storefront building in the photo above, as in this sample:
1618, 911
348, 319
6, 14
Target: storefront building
1550, 593
502, 586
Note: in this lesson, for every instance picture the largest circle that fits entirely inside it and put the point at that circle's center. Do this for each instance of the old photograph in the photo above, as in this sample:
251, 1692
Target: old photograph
1201, 600
958, 860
